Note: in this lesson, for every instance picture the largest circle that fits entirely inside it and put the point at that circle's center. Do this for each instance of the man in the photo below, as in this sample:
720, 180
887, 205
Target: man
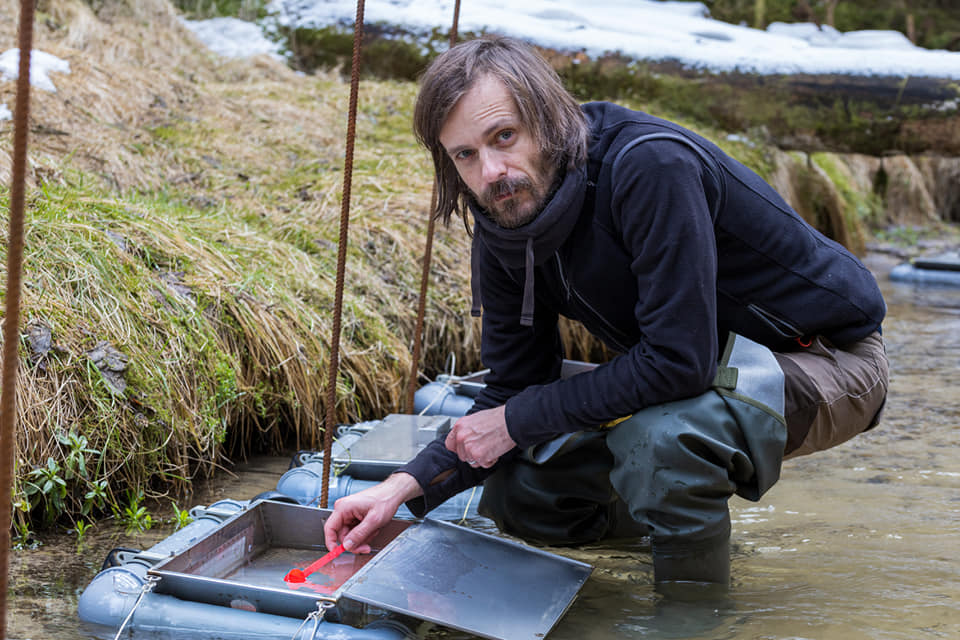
743, 334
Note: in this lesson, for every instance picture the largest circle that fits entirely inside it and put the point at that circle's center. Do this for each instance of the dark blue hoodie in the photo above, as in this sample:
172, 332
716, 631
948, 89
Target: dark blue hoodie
659, 246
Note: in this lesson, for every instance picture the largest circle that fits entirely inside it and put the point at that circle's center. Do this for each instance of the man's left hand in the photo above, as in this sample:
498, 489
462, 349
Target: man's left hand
481, 438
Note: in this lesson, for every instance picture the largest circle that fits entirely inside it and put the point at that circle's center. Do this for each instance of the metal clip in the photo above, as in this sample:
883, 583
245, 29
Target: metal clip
323, 605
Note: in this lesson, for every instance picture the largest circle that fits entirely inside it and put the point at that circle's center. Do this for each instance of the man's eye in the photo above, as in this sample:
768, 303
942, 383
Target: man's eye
463, 155
505, 136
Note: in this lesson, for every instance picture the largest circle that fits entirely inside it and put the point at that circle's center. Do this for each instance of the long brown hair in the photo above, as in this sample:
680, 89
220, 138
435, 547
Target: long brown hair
544, 105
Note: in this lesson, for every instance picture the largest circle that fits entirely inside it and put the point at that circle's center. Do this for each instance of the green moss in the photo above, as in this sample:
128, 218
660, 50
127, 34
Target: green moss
389, 52
166, 133
865, 207
203, 9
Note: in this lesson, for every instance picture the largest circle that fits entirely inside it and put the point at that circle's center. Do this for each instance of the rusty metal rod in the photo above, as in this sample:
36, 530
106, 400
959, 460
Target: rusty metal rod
11, 317
427, 254
330, 421
421, 304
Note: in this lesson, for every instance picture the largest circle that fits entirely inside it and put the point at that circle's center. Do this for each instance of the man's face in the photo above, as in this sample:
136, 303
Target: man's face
496, 155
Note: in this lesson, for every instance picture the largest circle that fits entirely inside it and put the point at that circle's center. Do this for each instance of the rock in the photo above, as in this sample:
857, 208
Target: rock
41, 340
111, 363
908, 200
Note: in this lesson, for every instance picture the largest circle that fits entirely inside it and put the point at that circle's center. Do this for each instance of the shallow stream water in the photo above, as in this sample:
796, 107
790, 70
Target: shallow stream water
862, 541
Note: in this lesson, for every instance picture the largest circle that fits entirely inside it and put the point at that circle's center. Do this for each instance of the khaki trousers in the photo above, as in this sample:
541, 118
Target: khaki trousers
833, 394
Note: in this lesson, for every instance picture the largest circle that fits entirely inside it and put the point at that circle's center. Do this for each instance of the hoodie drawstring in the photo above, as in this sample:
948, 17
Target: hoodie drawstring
476, 302
526, 311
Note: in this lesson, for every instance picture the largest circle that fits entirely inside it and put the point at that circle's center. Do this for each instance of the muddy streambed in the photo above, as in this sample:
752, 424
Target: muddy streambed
859, 542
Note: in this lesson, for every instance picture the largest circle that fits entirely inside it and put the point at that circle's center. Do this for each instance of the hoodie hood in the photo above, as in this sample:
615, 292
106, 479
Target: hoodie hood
532, 244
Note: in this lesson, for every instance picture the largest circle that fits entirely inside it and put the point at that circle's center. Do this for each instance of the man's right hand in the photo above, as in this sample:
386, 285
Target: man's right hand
357, 518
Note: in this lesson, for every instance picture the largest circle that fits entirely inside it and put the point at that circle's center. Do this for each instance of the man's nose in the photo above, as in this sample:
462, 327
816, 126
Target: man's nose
493, 166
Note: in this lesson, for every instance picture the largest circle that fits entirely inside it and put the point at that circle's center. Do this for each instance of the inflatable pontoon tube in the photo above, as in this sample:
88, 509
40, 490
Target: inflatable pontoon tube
440, 399
111, 595
909, 273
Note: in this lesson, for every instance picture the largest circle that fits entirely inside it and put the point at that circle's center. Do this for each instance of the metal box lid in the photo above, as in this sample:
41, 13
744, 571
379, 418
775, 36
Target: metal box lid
390, 443
435, 571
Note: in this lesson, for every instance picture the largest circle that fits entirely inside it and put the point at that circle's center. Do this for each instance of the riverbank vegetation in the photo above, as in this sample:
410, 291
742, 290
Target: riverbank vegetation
183, 218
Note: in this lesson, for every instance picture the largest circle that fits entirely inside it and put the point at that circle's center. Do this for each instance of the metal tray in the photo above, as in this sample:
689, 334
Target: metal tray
434, 571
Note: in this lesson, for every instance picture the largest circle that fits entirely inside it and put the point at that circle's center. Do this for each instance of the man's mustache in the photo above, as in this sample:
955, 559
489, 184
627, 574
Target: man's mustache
506, 187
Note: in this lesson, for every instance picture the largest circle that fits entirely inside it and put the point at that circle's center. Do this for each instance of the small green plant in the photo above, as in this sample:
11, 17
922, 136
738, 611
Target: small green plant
23, 537
96, 497
46, 486
75, 464
902, 235
181, 518
80, 529
135, 516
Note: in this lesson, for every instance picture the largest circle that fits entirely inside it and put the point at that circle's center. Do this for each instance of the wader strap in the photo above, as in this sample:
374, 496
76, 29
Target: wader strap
708, 160
726, 377
758, 377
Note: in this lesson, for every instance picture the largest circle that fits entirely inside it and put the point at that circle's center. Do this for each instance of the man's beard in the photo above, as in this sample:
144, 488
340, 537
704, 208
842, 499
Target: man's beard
514, 212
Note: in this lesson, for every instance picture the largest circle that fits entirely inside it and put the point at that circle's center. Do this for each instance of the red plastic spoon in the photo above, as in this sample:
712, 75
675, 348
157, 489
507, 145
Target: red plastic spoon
301, 575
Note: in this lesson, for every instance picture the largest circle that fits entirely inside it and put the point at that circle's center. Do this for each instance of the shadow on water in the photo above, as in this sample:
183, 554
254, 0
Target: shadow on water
856, 542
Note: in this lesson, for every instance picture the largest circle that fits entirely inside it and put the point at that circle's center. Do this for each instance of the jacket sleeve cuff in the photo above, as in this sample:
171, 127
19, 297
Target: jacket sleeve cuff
434, 495
433, 460
525, 424
436, 459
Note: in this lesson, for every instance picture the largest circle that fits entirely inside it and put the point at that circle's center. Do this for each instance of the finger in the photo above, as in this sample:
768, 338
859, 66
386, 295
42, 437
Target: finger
335, 533
331, 530
356, 540
454, 444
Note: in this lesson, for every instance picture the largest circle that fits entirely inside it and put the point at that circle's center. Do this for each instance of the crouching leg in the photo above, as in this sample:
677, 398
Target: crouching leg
676, 466
561, 499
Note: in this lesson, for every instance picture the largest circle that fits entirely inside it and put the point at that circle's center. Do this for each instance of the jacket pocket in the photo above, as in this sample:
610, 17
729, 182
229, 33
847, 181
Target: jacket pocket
777, 324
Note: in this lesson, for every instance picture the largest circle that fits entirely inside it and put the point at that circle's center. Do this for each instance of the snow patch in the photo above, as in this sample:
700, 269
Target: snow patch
681, 32
232, 37
42, 64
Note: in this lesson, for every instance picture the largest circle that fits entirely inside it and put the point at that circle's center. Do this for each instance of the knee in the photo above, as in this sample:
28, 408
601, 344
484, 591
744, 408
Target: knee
686, 444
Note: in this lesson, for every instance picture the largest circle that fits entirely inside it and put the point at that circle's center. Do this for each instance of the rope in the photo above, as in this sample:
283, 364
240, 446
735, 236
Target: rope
444, 386
427, 253
11, 322
147, 587
341, 256
466, 509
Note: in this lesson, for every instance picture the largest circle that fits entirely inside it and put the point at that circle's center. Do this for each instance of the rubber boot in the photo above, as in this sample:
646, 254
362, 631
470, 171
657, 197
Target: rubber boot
692, 571
692, 582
